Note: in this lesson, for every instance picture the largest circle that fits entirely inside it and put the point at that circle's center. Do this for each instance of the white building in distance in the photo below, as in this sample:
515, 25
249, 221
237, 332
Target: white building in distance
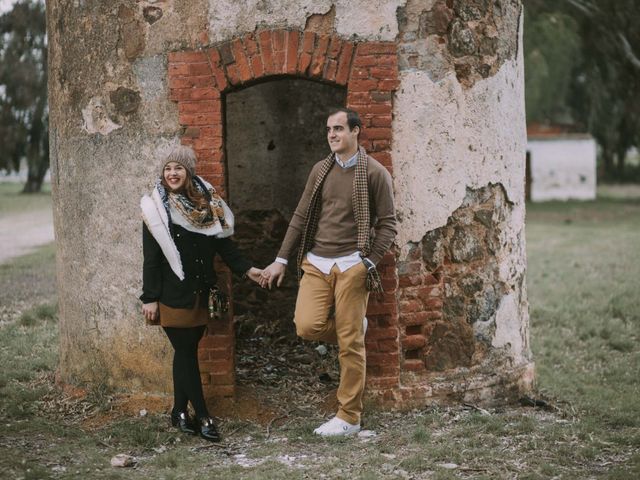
560, 166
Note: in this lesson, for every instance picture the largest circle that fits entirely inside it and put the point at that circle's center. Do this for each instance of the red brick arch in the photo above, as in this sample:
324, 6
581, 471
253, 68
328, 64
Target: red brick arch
369, 70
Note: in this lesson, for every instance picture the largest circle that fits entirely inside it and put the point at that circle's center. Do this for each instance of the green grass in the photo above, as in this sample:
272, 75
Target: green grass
30, 278
583, 284
13, 201
583, 278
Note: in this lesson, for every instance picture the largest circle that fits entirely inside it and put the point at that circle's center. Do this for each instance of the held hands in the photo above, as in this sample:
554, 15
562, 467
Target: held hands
255, 274
273, 273
265, 278
150, 311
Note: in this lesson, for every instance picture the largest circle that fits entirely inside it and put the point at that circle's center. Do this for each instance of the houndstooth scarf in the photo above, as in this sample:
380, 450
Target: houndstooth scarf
360, 198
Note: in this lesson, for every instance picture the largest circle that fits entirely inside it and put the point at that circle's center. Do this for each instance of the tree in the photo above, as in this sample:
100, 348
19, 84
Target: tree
582, 67
606, 94
24, 131
552, 52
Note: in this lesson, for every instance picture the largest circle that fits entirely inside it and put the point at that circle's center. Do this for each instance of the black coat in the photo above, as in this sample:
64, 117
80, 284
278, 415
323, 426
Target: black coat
197, 252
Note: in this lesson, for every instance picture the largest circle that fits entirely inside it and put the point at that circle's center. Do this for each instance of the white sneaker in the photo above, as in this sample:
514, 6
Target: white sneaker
365, 324
336, 427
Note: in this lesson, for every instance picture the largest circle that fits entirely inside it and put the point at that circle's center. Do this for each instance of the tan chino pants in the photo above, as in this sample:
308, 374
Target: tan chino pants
317, 293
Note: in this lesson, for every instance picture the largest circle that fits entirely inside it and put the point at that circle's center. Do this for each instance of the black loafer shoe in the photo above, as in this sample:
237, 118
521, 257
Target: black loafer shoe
208, 430
183, 422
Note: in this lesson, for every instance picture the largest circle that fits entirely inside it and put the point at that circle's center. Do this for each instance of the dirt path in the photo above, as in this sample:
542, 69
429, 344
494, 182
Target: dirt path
21, 233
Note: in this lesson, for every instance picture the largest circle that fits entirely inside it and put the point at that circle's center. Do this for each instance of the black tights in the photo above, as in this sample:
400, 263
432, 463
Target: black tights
187, 384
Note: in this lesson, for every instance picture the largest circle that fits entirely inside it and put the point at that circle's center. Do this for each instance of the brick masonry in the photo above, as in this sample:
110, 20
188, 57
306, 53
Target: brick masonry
369, 70
449, 292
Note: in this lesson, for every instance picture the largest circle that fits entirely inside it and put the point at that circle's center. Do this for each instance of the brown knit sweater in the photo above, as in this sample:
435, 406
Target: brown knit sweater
337, 233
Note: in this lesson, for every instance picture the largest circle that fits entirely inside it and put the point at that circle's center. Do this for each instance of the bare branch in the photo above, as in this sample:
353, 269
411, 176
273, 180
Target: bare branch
628, 51
586, 7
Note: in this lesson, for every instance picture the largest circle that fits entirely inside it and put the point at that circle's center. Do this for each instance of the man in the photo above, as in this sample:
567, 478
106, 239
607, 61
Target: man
346, 195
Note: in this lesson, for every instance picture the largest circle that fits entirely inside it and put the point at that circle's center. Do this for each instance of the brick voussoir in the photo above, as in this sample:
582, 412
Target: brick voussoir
319, 56
330, 70
293, 39
233, 74
303, 63
250, 44
242, 62
308, 41
344, 63
266, 50
226, 54
218, 72
279, 39
335, 47
257, 66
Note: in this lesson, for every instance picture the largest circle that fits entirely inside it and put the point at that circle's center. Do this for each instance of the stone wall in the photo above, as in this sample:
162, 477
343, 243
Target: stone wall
451, 289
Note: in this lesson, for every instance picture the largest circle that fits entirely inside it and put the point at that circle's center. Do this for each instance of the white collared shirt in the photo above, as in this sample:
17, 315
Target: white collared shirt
349, 163
345, 262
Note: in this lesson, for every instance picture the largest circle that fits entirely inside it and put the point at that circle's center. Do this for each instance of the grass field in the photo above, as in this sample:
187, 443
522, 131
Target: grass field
584, 294
11, 201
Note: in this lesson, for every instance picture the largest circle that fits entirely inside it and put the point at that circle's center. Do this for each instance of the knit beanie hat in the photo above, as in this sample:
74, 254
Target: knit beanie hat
183, 155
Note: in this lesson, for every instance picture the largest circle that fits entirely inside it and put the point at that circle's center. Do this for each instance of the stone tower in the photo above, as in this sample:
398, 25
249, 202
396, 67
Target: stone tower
439, 85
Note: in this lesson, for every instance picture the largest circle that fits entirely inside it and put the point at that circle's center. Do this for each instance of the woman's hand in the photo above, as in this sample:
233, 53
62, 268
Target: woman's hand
255, 274
150, 311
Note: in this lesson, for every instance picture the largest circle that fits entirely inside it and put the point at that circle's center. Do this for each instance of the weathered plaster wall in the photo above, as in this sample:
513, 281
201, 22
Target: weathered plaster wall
364, 19
110, 117
458, 157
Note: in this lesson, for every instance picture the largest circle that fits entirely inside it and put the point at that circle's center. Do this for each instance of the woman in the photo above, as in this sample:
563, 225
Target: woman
185, 225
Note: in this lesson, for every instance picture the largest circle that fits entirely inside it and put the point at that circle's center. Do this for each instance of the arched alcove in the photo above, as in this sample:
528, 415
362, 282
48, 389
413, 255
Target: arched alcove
274, 133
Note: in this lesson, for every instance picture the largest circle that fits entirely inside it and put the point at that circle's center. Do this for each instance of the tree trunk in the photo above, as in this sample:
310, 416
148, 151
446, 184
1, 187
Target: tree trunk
37, 153
38, 164
34, 182
621, 157
607, 162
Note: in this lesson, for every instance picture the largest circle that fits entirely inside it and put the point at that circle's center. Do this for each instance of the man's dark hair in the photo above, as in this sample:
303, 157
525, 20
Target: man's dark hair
353, 119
